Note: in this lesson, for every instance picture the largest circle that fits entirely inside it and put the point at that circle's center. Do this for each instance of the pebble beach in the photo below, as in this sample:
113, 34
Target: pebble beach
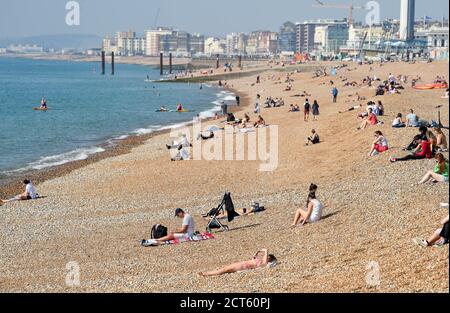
97, 212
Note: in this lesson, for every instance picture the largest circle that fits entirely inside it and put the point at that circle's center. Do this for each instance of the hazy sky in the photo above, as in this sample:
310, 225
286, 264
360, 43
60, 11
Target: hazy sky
212, 17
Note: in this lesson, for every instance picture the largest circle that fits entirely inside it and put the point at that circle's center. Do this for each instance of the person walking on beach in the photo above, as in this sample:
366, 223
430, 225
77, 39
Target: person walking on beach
29, 194
335, 93
238, 101
257, 104
224, 108
307, 108
261, 259
315, 110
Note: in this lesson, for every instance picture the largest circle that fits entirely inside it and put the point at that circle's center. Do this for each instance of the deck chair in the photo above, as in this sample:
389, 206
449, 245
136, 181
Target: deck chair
225, 206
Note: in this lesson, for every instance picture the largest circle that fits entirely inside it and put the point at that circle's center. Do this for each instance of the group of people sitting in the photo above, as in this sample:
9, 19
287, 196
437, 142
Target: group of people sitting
425, 145
412, 120
273, 103
245, 122
370, 118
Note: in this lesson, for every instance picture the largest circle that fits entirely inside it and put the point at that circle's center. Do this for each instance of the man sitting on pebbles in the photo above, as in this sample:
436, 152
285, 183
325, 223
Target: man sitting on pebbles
29, 194
187, 229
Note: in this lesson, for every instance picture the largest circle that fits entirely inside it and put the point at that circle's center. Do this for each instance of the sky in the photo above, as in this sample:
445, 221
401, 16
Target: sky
19, 18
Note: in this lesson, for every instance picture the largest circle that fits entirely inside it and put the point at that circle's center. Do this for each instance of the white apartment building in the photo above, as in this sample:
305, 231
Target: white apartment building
153, 40
214, 45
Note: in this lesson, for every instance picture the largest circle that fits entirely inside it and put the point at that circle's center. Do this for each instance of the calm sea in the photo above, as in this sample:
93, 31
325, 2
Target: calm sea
87, 109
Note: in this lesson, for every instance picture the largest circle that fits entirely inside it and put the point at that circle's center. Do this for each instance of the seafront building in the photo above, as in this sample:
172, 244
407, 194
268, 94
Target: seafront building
24, 49
287, 38
214, 46
236, 44
322, 37
326, 35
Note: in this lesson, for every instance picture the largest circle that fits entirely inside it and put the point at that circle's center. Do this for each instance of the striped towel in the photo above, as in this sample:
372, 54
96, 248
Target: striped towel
201, 237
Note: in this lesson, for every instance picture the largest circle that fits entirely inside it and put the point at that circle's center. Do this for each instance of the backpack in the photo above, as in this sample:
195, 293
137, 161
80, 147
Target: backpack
158, 231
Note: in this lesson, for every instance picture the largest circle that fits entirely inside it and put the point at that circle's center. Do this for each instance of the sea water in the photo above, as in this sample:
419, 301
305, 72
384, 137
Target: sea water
87, 109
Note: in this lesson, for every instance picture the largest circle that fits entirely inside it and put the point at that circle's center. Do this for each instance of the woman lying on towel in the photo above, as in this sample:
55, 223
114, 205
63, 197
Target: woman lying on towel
261, 259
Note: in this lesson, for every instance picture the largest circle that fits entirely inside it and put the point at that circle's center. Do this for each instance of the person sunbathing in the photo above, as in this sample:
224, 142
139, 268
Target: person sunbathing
245, 120
29, 193
207, 137
312, 214
438, 239
182, 143
440, 173
423, 151
441, 144
261, 259
379, 145
182, 155
351, 109
370, 120
260, 123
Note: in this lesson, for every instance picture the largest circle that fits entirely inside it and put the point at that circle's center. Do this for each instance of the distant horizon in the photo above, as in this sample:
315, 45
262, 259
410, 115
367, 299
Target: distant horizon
24, 18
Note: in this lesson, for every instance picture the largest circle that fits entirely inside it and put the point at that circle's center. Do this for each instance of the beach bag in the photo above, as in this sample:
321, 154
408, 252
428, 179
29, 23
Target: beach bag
158, 231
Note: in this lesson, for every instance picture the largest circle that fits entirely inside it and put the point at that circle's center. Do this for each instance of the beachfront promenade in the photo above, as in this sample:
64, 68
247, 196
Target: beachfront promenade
97, 215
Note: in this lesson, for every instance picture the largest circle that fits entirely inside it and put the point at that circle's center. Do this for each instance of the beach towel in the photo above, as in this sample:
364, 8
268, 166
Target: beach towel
195, 238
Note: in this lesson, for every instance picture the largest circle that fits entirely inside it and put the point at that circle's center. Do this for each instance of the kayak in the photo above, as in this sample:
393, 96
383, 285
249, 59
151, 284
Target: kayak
431, 86
182, 111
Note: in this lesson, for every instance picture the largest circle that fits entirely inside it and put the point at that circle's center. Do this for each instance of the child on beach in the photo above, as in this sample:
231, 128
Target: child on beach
29, 194
379, 145
261, 259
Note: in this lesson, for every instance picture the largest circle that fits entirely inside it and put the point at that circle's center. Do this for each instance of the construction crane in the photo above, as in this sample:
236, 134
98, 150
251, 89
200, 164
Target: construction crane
349, 7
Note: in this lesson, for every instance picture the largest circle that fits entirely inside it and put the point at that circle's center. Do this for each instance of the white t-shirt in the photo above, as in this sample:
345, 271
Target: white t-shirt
412, 119
397, 121
29, 189
383, 141
189, 222
184, 153
316, 214
184, 142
